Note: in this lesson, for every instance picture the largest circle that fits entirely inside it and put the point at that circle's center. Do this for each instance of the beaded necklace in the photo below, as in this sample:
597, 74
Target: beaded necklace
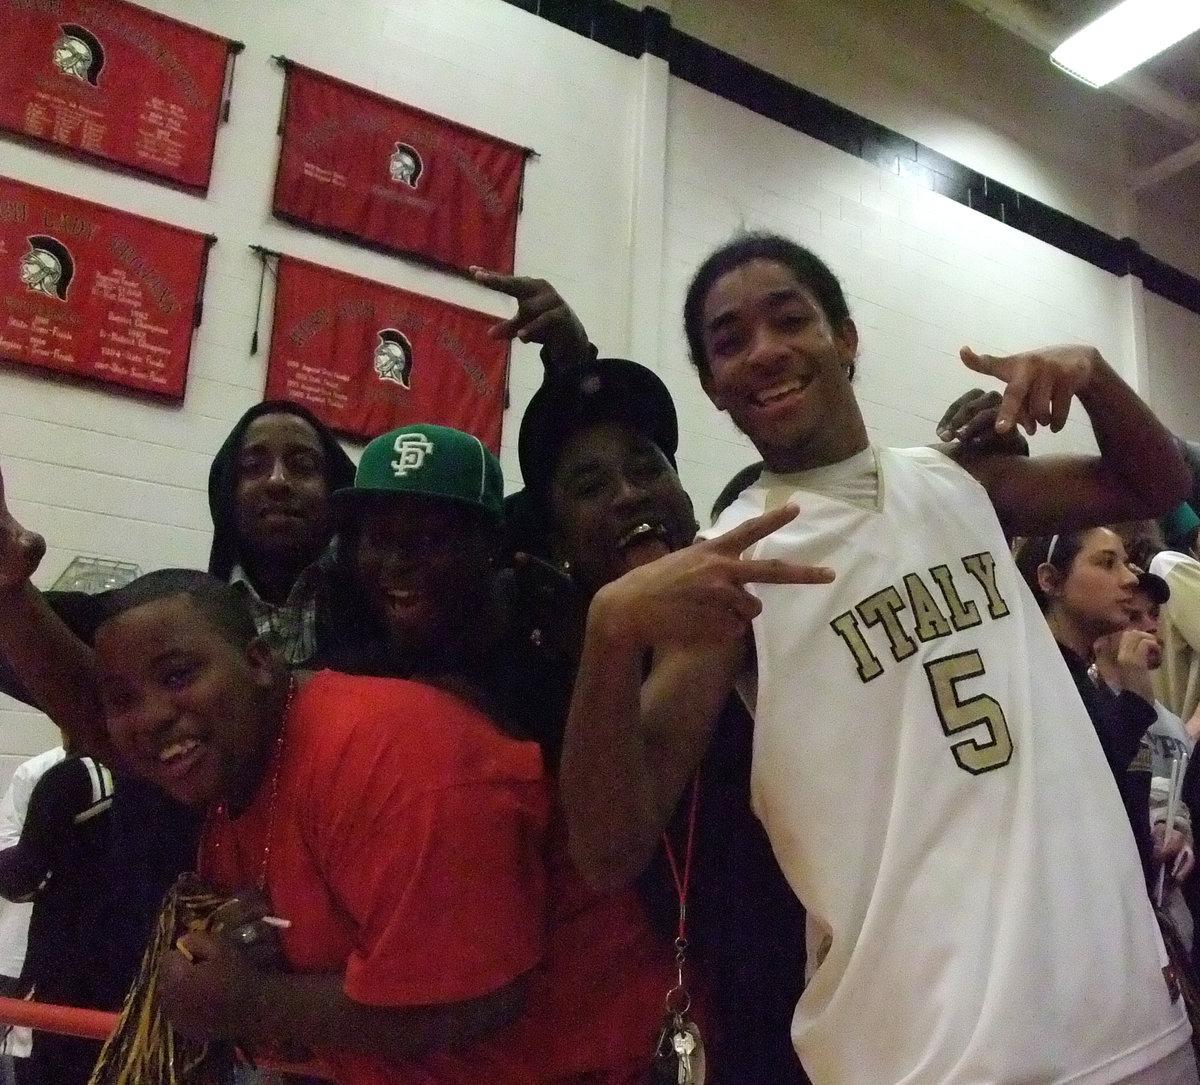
218, 814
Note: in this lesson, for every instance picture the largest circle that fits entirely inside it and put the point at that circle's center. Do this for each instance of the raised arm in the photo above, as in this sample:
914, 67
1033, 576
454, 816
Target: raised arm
631, 747
542, 316
1139, 472
634, 739
52, 664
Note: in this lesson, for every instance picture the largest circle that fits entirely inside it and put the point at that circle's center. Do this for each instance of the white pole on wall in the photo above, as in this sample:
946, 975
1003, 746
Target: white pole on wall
647, 209
1133, 310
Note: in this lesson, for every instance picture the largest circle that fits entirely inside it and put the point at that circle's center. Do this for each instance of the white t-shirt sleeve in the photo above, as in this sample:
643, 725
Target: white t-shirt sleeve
1169, 725
1182, 574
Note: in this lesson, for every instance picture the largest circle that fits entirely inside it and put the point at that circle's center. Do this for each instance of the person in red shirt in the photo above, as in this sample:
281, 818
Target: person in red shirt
397, 829
392, 824
437, 607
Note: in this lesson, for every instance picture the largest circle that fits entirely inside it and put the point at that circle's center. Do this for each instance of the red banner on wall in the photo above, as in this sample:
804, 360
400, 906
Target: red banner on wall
360, 165
366, 358
114, 81
95, 292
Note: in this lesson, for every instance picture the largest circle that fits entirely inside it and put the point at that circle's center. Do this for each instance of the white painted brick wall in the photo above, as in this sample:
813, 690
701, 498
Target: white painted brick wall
923, 274
1173, 341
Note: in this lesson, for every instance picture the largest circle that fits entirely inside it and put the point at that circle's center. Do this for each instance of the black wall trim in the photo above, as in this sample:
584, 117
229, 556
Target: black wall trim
604, 21
650, 31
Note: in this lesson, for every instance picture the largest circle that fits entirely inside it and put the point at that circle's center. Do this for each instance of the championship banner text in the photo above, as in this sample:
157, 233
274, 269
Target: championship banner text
95, 292
362, 166
113, 81
366, 358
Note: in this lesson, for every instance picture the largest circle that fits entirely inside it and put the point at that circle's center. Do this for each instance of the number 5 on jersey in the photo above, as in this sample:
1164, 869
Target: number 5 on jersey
958, 713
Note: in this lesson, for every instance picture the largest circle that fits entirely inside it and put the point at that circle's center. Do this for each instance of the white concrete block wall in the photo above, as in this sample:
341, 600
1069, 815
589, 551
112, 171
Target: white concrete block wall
923, 274
940, 74
1173, 346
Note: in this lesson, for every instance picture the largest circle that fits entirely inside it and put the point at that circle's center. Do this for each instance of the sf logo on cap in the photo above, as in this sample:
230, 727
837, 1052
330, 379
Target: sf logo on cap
411, 450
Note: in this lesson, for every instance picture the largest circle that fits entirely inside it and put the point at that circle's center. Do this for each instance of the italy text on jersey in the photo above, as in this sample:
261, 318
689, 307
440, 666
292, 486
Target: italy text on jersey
928, 620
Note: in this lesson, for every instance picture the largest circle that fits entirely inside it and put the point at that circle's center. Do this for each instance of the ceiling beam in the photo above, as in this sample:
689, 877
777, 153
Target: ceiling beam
1167, 167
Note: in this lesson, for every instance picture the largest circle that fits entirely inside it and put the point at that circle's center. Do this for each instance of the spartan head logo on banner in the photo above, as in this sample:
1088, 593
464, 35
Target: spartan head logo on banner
366, 357
47, 267
116, 83
405, 165
450, 194
78, 53
97, 293
394, 357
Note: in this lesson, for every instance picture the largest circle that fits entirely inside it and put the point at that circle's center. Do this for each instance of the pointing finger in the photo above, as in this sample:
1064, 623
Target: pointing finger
778, 571
988, 364
1002, 369
515, 286
1014, 402
533, 326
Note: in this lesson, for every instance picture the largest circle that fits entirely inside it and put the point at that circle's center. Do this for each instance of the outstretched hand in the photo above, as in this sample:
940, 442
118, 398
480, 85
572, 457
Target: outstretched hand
1039, 384
699, 593
21, 551
542, 317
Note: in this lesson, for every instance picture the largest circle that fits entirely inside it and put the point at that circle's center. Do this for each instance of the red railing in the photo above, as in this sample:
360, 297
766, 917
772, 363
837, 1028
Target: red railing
99, 1024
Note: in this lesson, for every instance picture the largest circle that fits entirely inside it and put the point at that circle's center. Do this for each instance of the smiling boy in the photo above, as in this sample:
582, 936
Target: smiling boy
911, 712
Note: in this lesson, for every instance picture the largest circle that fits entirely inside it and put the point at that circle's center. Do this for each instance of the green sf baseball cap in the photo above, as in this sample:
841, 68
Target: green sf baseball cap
429, 461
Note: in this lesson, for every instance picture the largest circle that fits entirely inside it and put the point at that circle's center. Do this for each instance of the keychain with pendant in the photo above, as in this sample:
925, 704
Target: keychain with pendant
679, 1052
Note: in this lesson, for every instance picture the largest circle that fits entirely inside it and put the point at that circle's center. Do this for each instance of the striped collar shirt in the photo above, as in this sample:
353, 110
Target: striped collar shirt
289, 628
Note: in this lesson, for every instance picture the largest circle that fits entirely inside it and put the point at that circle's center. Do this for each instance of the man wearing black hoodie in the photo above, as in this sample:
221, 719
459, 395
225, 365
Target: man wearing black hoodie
268, 492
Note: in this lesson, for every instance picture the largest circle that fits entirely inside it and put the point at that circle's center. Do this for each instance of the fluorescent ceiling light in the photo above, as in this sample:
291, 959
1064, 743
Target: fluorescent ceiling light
1123, 38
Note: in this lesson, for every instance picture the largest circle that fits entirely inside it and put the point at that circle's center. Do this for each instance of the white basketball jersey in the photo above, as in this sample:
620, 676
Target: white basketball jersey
937, 798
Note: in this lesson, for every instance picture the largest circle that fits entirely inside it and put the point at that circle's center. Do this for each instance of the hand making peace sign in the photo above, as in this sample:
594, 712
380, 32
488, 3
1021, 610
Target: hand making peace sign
1039, 384
699, 593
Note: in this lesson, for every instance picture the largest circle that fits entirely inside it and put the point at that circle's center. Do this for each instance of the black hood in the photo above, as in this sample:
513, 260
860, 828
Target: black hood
222, 478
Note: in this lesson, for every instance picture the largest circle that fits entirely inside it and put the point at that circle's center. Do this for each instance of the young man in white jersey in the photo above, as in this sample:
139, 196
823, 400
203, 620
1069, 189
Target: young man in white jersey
923, 765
